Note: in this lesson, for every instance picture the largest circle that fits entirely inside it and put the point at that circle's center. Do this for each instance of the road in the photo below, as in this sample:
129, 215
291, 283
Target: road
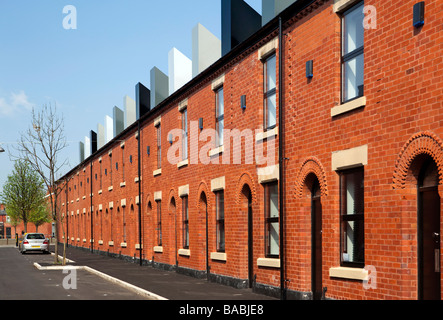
21, 280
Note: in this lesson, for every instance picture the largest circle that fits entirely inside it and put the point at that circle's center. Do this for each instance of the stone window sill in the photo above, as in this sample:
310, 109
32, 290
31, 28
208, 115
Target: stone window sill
348, 106
220, 256
268, 262
348, 273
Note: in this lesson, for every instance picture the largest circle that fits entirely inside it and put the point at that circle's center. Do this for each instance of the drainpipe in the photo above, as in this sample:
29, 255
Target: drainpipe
281, 158
92, 215
139, 196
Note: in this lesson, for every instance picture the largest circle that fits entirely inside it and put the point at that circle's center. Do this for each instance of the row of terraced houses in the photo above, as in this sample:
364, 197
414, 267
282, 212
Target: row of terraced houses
306, 162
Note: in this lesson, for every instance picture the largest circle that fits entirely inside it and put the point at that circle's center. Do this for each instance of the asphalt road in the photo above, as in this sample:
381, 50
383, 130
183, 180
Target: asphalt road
20, 280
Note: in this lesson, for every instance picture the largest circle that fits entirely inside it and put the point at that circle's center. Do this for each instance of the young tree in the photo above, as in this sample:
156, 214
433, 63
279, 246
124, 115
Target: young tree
41, 146
40, 216
23, 193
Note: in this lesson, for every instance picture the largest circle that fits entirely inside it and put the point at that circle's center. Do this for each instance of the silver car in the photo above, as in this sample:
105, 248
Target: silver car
34, 242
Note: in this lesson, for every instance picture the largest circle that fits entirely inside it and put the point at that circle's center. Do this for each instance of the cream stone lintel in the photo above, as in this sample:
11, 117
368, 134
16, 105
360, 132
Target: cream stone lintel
157, 121
137, 200
268, 262
350, 158
100, 241
182, 105
342, 5
111, 243
123, 244
348, 106
111, 204
217, 184
123, 202
110, 188
348, 273
157, 172
157, 195
268, 48
137, 246
268, 174
183, 190
217, 83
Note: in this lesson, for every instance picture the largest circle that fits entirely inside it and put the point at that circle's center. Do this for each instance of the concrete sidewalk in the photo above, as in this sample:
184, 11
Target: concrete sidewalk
166, 284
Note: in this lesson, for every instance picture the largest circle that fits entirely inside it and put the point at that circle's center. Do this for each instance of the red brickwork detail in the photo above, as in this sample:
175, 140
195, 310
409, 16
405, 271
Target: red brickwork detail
421, 143
311, 165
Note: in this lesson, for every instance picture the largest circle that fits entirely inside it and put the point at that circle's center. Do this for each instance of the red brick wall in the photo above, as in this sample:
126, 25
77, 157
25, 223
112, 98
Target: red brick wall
403, 88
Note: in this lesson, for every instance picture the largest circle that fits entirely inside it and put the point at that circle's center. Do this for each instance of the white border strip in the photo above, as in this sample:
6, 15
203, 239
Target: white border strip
119, 282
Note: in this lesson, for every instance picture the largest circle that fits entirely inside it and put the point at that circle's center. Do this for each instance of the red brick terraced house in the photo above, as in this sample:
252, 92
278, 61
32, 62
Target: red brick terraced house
323, 179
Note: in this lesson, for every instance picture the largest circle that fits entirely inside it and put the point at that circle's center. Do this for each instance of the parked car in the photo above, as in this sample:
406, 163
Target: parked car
34, 242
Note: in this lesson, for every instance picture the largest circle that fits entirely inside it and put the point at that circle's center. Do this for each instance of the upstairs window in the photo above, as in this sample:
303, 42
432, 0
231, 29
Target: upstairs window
352, 53
219, 116
270, 84
159, 147
185, 134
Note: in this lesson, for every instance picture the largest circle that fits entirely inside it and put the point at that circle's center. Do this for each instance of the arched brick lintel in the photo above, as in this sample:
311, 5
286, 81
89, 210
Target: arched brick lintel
246, 178
311, 165
424, 142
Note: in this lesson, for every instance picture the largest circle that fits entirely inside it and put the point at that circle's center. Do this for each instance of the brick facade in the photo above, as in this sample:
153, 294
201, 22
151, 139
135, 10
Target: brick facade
399, 123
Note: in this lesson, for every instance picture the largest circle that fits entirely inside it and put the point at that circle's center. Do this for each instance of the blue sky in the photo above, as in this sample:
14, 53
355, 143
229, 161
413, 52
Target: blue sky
87, 71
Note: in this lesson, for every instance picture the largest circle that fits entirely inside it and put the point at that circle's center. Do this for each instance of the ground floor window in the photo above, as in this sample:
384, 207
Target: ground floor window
220, 208
352, 217
185, 223
271, 220
159, 223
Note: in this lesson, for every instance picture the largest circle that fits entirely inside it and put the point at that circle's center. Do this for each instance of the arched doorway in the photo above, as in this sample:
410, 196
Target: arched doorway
313, 190
203, 212
429, 283
173, 231
246, 207
316, 236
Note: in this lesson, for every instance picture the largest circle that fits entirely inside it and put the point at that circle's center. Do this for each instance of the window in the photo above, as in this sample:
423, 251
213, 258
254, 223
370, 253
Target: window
110, 167
185, 223
185, 134
351, 217
220, 216
352, 53
270, 112
159, 223
101, 176
159, 147
271, 220
219, 116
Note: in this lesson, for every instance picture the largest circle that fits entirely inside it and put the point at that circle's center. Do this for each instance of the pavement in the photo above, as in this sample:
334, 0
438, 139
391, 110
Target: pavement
154, 283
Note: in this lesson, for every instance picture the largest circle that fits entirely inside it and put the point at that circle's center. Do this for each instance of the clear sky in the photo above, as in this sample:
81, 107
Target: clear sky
87, 71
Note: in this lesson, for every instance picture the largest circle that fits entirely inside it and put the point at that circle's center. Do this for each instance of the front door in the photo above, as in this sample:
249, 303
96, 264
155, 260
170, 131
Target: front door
429, 234
316, 212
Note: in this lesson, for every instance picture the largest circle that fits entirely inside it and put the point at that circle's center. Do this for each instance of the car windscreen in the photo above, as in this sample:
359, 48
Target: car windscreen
36, 236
